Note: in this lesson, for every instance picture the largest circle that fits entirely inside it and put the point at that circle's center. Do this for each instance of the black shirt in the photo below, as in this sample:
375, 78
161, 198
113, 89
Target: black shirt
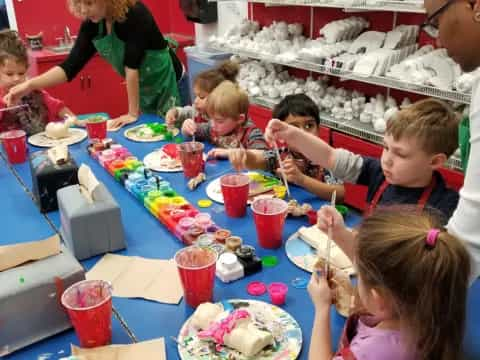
139, 32
442, 198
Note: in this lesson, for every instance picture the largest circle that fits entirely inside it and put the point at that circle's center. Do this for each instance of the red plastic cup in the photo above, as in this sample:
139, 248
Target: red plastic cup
191, 156
269, 215
97, 129
235, 189
196, 266
89, 305
15, 145
278, 293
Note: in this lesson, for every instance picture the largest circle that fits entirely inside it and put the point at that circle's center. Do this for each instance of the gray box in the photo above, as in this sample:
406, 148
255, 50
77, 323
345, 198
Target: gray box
90, 229
30, 295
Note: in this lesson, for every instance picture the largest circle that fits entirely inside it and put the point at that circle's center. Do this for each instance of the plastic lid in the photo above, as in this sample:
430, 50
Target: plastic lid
269, 261
256, 288
204, 203
300, 283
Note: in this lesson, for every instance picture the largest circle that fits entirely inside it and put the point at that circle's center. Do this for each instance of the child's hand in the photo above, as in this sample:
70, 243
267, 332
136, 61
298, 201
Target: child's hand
122, 120
277, 130
171, 117
329, 216
16, 93
319, 290
218, 153
189, 127
293, 173
238, 158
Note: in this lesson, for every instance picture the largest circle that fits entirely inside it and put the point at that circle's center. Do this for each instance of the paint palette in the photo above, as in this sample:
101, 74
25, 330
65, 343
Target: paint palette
155, 193
151, 132
259, 184
284, 328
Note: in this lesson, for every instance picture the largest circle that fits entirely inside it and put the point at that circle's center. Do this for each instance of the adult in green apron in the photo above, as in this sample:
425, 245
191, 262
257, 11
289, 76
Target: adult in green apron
126, 35
456, 24
158, 84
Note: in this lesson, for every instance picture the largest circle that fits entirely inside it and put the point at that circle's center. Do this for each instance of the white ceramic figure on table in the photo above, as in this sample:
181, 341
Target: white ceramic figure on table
58, 130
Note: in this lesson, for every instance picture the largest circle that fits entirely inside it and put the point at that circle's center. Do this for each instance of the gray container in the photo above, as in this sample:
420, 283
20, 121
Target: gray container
30, 295
90, 229
201, 60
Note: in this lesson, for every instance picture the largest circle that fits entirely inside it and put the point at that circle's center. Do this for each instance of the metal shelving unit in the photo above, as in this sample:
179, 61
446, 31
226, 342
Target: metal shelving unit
350, 127
384, 81
362, 5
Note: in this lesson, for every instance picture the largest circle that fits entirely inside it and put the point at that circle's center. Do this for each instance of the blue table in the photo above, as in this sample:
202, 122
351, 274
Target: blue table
148, 238
21, 221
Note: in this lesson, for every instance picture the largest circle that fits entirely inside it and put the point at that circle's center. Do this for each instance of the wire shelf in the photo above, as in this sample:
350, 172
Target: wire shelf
360, 5
384, 81
351, 127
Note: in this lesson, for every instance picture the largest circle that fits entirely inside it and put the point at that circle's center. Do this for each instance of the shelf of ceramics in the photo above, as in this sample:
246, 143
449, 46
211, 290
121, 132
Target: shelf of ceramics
351, 127
360, 5
348, 75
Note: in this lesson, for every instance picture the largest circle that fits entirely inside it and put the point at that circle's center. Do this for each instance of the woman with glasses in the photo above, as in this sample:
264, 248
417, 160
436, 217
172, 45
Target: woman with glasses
456, 24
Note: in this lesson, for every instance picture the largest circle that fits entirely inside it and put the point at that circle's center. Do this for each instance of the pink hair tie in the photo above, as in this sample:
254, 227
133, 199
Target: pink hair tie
432, 236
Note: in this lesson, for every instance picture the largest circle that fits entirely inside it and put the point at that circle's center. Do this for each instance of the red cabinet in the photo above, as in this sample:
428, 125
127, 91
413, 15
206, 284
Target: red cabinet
259, 115
97, 88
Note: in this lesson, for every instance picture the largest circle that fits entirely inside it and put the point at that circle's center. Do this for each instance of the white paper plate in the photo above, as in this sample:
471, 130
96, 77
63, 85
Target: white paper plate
214, 190
285, 329
134, 134
153, 161
42, 140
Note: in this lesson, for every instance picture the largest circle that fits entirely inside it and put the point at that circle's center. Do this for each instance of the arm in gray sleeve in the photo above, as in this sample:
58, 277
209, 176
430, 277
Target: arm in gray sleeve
184, 113
203, 132
348, 166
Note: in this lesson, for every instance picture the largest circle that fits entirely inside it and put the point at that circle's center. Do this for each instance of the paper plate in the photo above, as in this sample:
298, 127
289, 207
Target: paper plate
142, 133
257, 187
42, 140
302, 254
158, 161
285, 329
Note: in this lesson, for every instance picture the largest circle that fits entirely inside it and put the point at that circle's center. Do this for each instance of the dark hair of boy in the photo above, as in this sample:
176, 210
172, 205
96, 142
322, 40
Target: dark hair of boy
296, 105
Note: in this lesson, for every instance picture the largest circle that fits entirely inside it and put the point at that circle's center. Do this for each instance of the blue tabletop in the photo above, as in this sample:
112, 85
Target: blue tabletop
149, 238
22, 222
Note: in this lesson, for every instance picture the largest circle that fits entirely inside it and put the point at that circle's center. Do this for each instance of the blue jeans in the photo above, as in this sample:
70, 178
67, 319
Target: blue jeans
184, 89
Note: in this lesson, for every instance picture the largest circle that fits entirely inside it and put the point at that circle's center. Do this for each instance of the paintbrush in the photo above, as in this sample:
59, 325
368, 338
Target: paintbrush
14, 107
329, 237
280, 163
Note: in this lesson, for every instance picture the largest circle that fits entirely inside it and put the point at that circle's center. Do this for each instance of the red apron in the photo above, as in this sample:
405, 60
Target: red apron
349, 331
421, 202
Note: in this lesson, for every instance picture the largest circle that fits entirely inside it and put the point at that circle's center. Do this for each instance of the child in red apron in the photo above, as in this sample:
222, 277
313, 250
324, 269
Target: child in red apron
417, 142
300, 111
412, 283
205, 82
229, 126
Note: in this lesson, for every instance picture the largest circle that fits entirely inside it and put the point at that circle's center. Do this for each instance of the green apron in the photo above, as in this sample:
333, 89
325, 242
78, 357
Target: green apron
464, 141
158, 83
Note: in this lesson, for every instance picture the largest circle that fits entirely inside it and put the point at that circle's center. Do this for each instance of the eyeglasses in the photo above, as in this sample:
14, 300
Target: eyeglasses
430, 26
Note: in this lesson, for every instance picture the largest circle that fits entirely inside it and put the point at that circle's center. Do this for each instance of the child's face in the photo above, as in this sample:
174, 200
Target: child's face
225, 125
404, 163
306, 123
93, 10
200, 101
12, 73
